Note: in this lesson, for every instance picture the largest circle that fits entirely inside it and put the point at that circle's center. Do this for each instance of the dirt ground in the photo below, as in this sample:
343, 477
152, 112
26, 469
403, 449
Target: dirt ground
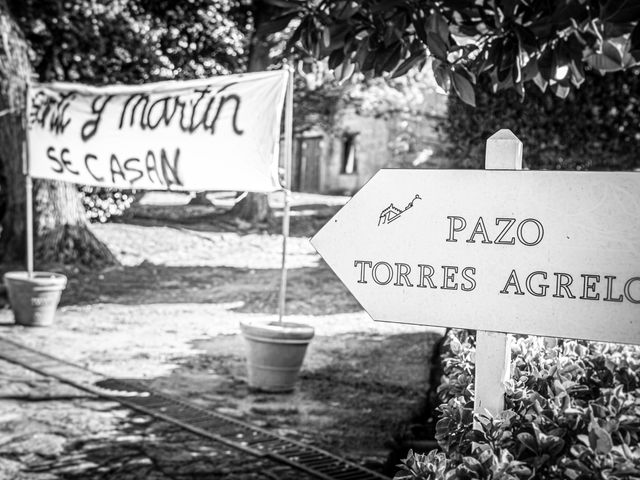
169, 314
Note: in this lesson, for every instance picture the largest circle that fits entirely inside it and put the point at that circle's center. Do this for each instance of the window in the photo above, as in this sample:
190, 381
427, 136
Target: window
349, 160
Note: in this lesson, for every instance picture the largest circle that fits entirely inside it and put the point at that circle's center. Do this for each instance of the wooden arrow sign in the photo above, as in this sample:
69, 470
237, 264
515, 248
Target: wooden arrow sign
543, 253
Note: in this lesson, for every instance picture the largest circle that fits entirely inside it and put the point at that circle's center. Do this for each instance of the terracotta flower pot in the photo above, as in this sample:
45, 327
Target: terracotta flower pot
34, 299
275, 353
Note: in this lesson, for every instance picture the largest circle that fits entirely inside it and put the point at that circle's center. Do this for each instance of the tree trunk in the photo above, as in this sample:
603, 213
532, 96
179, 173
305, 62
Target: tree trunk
200, 199
14, 72
254, 208
62, 230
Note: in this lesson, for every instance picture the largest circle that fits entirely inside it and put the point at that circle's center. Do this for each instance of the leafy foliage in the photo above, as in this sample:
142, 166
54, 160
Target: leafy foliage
103, 203
509, 42
572, 412
377, 97
595, 128
131, 41
430, 466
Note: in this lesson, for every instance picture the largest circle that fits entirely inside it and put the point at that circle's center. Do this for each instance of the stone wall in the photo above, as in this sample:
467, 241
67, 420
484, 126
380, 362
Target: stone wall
394, 140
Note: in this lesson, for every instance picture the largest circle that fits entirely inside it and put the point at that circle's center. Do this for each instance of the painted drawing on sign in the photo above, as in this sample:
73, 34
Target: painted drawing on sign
392, 213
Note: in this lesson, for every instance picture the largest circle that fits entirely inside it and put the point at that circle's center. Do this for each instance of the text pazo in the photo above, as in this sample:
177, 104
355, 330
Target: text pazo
528, 232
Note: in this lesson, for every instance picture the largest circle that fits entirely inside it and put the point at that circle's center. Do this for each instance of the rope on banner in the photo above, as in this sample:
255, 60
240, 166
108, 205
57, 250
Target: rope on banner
240, 197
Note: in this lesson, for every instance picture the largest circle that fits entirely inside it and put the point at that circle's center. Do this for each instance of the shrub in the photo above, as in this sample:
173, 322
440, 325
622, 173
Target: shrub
103, 203
595, 128
571, 412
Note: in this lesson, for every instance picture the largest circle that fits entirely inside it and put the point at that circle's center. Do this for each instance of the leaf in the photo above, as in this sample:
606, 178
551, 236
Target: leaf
614, 48
405, 66
572, 474
545, 64
552, 444
472, 464
634, 42
577, 73
565, 11
620, 11
509, 7
561, 60
443, 79
603, 63
526, 39
628, 61
385, 57
464, 88
345, 71
278, 24
600, 439
349, 9
507, 60
459, 4
336, 58
528, 441
295, 37
419, 26
455, 345
369, 61
383, 5
326, 37
486, 456
438, 25
613, 30
393, 58
443, 427
491, 55
530, 71
283, 3
361, 54
404, 476
436, 46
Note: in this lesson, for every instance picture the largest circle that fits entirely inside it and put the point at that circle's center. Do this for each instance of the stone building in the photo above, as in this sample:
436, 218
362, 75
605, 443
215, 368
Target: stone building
342, 158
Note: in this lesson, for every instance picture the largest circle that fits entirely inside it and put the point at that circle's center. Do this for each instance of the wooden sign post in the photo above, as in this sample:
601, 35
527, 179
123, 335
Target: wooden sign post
493, 352
499, 251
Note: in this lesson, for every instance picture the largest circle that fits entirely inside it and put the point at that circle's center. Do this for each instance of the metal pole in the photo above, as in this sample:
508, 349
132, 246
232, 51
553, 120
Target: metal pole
288, 146
28, 183
29, 207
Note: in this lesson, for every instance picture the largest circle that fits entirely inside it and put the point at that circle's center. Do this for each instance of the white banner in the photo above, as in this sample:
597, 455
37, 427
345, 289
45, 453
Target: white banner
220, 133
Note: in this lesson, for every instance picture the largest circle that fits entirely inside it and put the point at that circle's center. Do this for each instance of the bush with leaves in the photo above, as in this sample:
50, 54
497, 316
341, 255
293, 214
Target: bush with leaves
510, 44
594, 128
571, 412
130, 42
101, 204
